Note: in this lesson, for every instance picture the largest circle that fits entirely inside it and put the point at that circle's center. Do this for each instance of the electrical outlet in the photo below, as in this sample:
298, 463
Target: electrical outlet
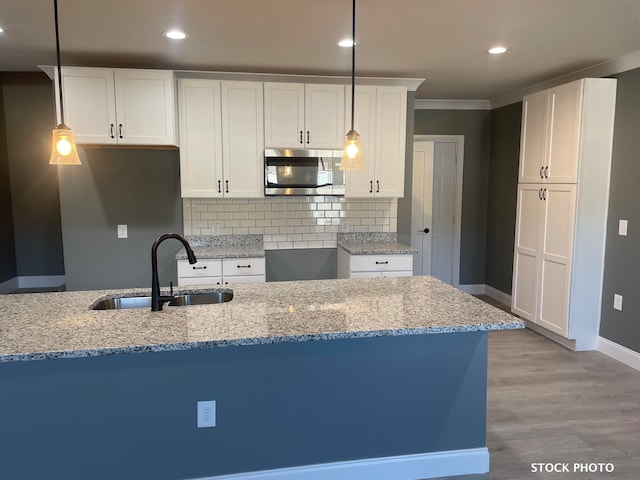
206, 414
617, 302
344, 226
122, 231
215, 229
622, 227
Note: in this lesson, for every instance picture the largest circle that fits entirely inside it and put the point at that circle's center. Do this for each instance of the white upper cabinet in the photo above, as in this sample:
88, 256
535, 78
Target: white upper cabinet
243, 139
303, 115
221, 139
380, 119
551, 135
121, 106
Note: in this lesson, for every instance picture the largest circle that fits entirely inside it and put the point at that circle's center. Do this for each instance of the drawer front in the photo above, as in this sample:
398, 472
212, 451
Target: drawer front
188, 281
399, 273
381, 263
243, 266
202, 268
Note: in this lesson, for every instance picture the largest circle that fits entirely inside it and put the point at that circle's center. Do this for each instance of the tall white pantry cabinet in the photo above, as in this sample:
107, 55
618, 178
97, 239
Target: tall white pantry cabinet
561, 217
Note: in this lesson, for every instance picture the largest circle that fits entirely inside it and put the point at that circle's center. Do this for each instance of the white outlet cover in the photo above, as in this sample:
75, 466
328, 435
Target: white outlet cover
617, 302
622, 228
122, 231
206, 414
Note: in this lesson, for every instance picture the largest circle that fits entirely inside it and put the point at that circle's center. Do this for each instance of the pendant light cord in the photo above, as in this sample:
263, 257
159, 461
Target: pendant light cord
353, 63
55, 8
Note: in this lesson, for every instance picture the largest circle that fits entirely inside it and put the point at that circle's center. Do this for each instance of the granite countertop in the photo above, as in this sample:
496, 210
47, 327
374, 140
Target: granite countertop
60, 325
224, 246
373, 244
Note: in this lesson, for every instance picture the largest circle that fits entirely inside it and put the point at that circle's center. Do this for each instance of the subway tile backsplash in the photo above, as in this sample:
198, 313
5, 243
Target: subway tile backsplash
290, 222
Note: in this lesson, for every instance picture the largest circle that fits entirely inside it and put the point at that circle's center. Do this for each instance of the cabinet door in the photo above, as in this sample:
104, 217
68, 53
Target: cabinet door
89, 104
200, 138
242, 139
559, 206
533, 144
145, 107
324, 116
391, 140
284, 115
360, 184
564, 133
529, 224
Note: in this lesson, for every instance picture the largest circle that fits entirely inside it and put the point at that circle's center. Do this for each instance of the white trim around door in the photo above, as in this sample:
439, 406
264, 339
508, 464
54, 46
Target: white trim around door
457, 221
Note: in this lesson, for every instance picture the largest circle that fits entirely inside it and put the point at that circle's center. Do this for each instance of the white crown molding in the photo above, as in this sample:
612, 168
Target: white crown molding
412, 84
610, 67
435, 104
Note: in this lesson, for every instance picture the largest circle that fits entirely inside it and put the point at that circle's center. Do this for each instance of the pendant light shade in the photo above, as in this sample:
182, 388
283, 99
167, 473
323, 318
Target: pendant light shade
352, 151
63, 149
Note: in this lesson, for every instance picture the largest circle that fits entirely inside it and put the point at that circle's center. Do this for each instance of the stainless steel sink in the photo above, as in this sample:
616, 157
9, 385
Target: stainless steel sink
195, 298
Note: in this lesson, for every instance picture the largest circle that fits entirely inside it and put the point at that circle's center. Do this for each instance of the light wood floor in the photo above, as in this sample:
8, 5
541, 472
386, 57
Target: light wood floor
549, 404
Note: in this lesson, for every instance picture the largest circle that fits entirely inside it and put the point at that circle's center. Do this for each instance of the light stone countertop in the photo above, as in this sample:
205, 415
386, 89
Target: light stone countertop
207, 247
60, 325
373, 244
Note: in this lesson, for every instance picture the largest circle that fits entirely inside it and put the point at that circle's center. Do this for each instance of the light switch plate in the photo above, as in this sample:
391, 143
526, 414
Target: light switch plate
622, 228
617, 302
122, 231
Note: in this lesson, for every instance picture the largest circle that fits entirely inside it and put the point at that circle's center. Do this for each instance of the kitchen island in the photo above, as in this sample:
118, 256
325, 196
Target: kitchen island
381, 378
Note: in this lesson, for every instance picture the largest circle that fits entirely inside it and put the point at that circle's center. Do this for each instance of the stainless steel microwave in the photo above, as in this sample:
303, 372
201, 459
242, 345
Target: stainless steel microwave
303, 172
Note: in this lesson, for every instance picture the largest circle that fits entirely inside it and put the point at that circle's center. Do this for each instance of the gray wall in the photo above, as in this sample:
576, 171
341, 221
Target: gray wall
622, 260
301, 264
7, 241
404, 203
136, 187
280, 405
502, 195
476, 128
29, 117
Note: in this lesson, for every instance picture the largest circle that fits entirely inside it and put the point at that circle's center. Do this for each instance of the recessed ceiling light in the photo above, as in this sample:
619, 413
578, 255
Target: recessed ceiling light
1, 29
175, 35
497, 50
347, 43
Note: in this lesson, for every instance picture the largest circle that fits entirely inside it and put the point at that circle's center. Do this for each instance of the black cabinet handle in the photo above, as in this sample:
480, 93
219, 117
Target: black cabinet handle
541, 170
382, 263
301, 141
546, 172
226, 183
204, 267
370, 186
111, 132
219, 186
120, 131
308, 137
540, 194
544, 194
377, 186
243, 266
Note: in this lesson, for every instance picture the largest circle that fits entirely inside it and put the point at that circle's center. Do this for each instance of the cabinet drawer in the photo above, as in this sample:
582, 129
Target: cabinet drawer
381, 263
202, 268
231, 279
243, 266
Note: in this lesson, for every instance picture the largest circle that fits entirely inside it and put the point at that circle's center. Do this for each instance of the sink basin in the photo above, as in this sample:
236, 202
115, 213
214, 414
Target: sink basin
196, 298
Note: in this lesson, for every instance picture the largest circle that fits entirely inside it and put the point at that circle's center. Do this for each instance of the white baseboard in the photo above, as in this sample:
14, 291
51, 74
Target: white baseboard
565, 342
404, 467
41, 281
473, 289
10, 285
618, 352
498, 295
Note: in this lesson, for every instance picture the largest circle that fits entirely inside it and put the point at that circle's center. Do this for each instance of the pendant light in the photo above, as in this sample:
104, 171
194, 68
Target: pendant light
63, 149
352, 152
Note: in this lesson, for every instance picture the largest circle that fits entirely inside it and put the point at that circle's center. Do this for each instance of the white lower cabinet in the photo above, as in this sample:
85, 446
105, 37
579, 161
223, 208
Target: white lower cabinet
219, 271
374, 266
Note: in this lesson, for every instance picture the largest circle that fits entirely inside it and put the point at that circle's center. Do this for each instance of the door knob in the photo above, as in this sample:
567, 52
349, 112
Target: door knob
426, 230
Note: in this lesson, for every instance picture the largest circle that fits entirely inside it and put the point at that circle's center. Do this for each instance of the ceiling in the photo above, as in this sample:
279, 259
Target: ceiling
443, 41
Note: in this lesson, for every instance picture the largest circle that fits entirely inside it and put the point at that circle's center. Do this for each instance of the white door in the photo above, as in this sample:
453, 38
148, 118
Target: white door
324, 116
242, 139
360, 183
421, 204
89, 104
145, 107
533, 144
284, 115
391, 141
444, 201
